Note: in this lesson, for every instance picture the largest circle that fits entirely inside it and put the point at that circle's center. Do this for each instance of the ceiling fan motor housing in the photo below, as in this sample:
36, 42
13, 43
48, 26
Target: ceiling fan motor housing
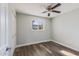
48, 14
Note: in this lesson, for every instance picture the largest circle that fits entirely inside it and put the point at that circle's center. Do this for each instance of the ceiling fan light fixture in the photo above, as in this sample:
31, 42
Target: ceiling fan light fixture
48, 14
51, 8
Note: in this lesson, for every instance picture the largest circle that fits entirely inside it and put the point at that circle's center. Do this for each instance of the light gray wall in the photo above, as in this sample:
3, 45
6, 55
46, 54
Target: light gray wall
65, 29
26, 35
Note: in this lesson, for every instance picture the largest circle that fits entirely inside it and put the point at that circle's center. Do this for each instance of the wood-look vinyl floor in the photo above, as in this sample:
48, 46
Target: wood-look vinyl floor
45, 49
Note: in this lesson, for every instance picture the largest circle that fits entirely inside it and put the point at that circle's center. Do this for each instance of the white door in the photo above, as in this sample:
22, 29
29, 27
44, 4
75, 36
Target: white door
7, 30
11, 30
2, 30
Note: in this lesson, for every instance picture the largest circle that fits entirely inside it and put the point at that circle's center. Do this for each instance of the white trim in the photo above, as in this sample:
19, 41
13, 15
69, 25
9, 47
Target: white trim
65, 45
31, 43
13, 51
46, 41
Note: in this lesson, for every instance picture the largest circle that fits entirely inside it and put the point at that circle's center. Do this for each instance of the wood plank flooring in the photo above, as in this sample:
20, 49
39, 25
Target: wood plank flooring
45, 49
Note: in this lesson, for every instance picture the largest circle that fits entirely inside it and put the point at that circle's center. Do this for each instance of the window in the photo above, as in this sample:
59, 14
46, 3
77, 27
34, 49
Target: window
37, 24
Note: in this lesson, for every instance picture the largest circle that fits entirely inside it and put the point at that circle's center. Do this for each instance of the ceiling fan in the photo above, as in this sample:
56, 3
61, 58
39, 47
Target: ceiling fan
51, 9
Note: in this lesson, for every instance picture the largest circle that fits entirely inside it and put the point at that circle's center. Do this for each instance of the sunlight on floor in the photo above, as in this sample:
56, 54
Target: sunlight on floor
67, 53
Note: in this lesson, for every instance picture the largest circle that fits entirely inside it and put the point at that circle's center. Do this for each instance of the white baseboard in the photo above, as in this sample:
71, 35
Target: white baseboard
31, 43
46, 41
65, 45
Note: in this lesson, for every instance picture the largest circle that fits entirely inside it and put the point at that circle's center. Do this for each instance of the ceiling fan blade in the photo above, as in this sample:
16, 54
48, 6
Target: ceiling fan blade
56, 11
50, 5
48, 14
57, 5
44, 11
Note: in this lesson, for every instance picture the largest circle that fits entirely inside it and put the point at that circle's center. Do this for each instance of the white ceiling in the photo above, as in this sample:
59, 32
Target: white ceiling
37, 8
